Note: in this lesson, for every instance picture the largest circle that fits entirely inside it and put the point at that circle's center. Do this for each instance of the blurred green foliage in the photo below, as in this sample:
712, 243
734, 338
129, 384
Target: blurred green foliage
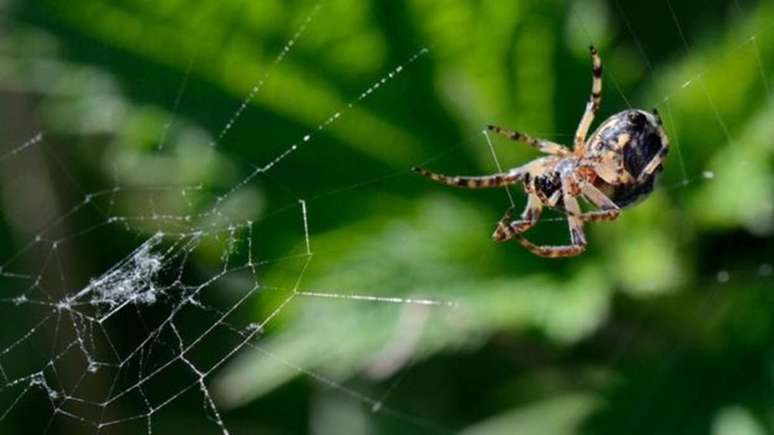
663, 326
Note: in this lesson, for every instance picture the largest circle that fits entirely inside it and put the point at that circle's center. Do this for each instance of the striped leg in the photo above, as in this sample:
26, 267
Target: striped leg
577, 236
507, 229
651, 167
542, 145
487, 181
594, 102
660, 155
611, 173
608, 210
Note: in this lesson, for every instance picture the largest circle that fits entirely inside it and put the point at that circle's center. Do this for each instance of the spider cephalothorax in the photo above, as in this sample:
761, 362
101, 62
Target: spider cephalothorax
614, 168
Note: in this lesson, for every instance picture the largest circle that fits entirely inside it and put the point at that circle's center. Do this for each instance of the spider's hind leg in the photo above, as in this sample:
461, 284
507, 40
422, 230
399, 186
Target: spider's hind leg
658, 159
507, 229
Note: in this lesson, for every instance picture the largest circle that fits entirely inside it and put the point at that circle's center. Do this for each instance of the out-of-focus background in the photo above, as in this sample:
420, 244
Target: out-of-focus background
155, 272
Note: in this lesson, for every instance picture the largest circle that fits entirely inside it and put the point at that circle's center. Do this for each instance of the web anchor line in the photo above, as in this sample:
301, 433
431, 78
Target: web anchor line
36, 139
215, 209
256, 89
374, 298
306, 227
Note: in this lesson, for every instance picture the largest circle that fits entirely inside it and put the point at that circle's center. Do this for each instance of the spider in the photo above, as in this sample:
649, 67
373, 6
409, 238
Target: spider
616, 167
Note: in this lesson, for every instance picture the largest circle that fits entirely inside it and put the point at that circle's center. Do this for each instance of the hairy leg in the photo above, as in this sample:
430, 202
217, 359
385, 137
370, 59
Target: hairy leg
542, 145
577, 236
608, 210
507, 229
479, 182
594, 101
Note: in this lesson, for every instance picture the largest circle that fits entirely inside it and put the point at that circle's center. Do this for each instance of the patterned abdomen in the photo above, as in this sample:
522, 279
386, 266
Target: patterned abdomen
629, 140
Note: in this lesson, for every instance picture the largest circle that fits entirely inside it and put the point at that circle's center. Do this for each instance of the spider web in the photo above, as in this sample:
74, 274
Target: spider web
67, 345
151, 276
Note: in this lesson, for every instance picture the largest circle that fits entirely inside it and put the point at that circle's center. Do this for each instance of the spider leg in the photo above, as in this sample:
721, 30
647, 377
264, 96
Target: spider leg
612, 174
507, 229
594, 102
542, 145
660, 155
577, 236
608, 210
651, 167
480, 182
577, 246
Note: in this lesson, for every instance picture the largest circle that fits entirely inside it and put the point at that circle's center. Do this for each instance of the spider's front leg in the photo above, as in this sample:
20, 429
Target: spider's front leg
594, 102
608, 210
542, 145
611, 173
479, 182
652, 165
577, 236
507, 229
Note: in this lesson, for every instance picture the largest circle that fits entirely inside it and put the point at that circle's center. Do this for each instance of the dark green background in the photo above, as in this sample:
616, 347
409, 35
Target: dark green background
661, 327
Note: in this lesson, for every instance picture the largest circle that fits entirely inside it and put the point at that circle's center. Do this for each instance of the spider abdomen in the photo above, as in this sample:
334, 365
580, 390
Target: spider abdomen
628, 141
628, 194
